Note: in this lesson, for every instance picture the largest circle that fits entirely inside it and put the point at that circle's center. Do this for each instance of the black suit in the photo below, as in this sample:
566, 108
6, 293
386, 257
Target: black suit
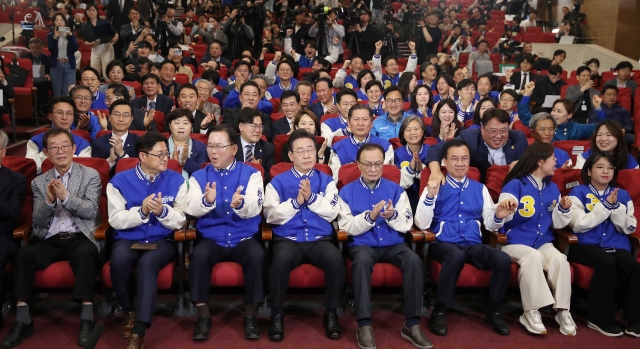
127, 35
263, 151
101, 148
280, 127
543, 88
517, 77
300, 38
197, 120
366, 42
118, 17
138, 121
163, 104
317, 109
13, 188
230, 118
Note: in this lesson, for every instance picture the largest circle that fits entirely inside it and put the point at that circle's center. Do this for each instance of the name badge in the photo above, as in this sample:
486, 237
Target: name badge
584, 107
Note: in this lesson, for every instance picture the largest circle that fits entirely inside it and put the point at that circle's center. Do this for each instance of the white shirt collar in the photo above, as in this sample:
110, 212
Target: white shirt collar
245, 143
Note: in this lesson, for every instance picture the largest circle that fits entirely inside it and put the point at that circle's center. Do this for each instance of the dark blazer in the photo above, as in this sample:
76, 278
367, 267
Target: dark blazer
206, 58
513, 149
13, 188
197, 120
264, 151
230, 118
101, 148
72, 47
517, 76
138, 121
145, 11
163, 104
300, 38
166, 89
317, 109
44, 60
197, 157
543, 88
127, 35
118, 17
280, 127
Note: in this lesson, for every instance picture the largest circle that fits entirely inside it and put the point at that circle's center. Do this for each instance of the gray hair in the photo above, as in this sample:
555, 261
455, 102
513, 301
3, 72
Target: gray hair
540, 117
205, 81
4, 139
258, 76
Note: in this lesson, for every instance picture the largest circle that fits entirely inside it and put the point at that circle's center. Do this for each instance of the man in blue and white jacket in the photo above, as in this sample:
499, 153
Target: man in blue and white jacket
145, 207
301, 216
454, 212
392, 74
376, 214
226, 197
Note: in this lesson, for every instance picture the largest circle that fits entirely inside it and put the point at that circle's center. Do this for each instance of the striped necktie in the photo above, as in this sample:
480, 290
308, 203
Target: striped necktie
249, 153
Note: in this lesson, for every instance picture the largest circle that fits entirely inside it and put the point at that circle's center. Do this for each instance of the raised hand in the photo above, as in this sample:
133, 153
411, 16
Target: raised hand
565, 202
210, 192
237, 198
148, 118
103, 120
50, 192
376, 210
117, 145
305, 186
613, 197
346, 64
597, 101
452, 92
433, 187
389, 210
505, 208
378, 45
276, 56
322, 148
145, 204
289, 32
412, 46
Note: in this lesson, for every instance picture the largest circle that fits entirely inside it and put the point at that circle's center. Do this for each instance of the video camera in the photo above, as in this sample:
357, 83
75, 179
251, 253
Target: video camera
289, 22
388, 17
163, 5
508, 46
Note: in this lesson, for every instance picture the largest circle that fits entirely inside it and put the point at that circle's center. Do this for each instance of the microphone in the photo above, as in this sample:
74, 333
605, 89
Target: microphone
95, 336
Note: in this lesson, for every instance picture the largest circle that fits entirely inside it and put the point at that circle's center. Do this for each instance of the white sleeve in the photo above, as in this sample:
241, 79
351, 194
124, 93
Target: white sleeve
174, 217
407, 177
85, 153
560, 219
194, 200
338, 81
119, 217
623, 218
424, 211
275, 211
579, 162
506, 196
326, 205
334, 163
287, 46
581, 221
326, 132
402, 220
34, 153
491, 223
412, 64
333, 54
270, 73
253, 198
354, 226
389, 156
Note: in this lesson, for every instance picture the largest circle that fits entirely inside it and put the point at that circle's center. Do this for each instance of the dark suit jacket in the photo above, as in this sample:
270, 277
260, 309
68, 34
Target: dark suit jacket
138, 121
101, 148
317, 109
230, 118
118, 17
513, 149
300, 38
280, 127
44, 60
264, 151
197, 120
127, 35
145, 11
163, 104
543, 88
13, 188
517, 76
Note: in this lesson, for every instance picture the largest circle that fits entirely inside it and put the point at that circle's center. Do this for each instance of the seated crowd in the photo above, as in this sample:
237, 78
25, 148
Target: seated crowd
236, 118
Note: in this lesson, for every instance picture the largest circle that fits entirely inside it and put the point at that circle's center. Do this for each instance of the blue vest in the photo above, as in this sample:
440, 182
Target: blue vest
222, 224
305, 225
388, 80
362, 95
360, 199
377, 111
532, 223
605, 234
336, 124
276, 90
631, 161
134, 187
457, 214
402, 158
347, 149
80, 142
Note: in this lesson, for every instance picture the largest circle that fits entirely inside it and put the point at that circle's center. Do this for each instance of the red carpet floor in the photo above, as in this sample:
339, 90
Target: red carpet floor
303, 329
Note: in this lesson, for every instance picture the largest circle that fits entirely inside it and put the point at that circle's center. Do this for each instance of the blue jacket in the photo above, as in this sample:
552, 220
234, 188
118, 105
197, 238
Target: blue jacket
573, 131
99, 101
276, 90
197, 157
561, 156
386, 129
134, 187
80, 142
94, 125
347, 149
72, 47
616, 113
631, 161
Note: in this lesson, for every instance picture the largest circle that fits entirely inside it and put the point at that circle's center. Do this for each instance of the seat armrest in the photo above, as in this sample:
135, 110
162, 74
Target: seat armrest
267, 232
635, 243
416, 234
342, 235
101, 232
565, 238
184, 235
496, 238
23, 232
429, 236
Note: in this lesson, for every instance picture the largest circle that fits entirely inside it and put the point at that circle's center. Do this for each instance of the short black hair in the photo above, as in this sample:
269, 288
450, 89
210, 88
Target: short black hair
592, 159
362, 74
372, 83
167, 61
610, 87
390, 89
559, 52
188, 87
147, 141
145, 44
289, 94
555, 69
231, 133
453, 143
93, 70
60, 99
246, 115
144, 61
113, 64
369, 146
78, 88
495, 113
327, 80
623, 65
284, 61
248, 84
581, 69
148, 76
387, 59
482, 42
120, 102
528, 58
299, 134
360, 107
325, 63
211, 75
346, 92
240, 63
52, 132
119, 90
177, 114
510, 92
465, 83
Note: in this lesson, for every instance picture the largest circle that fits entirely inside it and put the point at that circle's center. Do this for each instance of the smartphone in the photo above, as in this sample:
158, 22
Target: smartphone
152, 32
177, 52
63, 29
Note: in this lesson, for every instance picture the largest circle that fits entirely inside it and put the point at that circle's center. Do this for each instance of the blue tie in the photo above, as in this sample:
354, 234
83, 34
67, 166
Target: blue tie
152, 105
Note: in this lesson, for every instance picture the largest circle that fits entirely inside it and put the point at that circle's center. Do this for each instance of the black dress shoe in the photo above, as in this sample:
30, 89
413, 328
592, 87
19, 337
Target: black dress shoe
86, 327
332, 326
201, 332
251, 329
19, 331
498, 324
438, 323
276, 328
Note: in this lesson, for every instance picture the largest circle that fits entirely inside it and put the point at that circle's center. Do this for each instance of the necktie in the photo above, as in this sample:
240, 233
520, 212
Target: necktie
524, 80
249, 153
152, 105
121, 5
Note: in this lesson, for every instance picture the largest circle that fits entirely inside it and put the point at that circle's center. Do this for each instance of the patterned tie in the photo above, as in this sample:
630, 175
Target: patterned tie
249, 155
152, 105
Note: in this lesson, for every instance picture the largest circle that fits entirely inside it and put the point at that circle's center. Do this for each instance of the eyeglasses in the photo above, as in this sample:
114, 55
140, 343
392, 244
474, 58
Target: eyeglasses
348, 104
159, 156
394, 101
368, 165
256, 126
121, 116
462, 160
305, 151
82, 98
217, 147
285, 70
64, 148
506, 100
545, 130
60, 113
493, 132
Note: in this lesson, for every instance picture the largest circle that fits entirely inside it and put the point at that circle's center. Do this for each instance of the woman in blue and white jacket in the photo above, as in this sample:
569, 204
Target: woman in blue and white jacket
602, 218
540, 209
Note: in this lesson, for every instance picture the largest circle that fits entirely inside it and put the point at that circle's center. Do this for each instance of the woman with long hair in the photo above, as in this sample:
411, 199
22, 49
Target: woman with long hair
445, 125
609, 138
445, 87
100, 35
483, 104
602, 218
421, 101
406, 84
539, 210
307, 120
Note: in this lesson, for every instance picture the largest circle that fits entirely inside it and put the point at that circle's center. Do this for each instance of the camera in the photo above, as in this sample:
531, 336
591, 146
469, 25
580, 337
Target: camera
63, 29
508, 46
353, 17
152, 31
289, 22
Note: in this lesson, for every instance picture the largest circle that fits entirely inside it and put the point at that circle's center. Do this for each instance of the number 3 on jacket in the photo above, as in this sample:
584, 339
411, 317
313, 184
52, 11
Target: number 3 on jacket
594, 200
528, 206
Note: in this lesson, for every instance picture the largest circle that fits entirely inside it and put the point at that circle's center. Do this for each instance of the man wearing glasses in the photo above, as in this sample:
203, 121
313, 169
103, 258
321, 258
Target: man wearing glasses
251, 147
388, 124
492, 144
287, 82
344, 100
146, 205
454, 212
119, 143
249, 98
61, 113
89, 77
376, 214
301, 216
65, 218
142, 121
226, 198
84, 118
359, 131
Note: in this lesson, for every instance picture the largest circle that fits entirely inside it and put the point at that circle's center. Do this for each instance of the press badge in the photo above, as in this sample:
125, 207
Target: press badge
584, 107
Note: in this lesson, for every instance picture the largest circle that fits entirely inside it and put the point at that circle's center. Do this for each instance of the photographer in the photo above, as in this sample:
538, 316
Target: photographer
240, 35
331, 30
131, 31
366, 35
210, 32
390, 30
430, 35
174, 26
300, 30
